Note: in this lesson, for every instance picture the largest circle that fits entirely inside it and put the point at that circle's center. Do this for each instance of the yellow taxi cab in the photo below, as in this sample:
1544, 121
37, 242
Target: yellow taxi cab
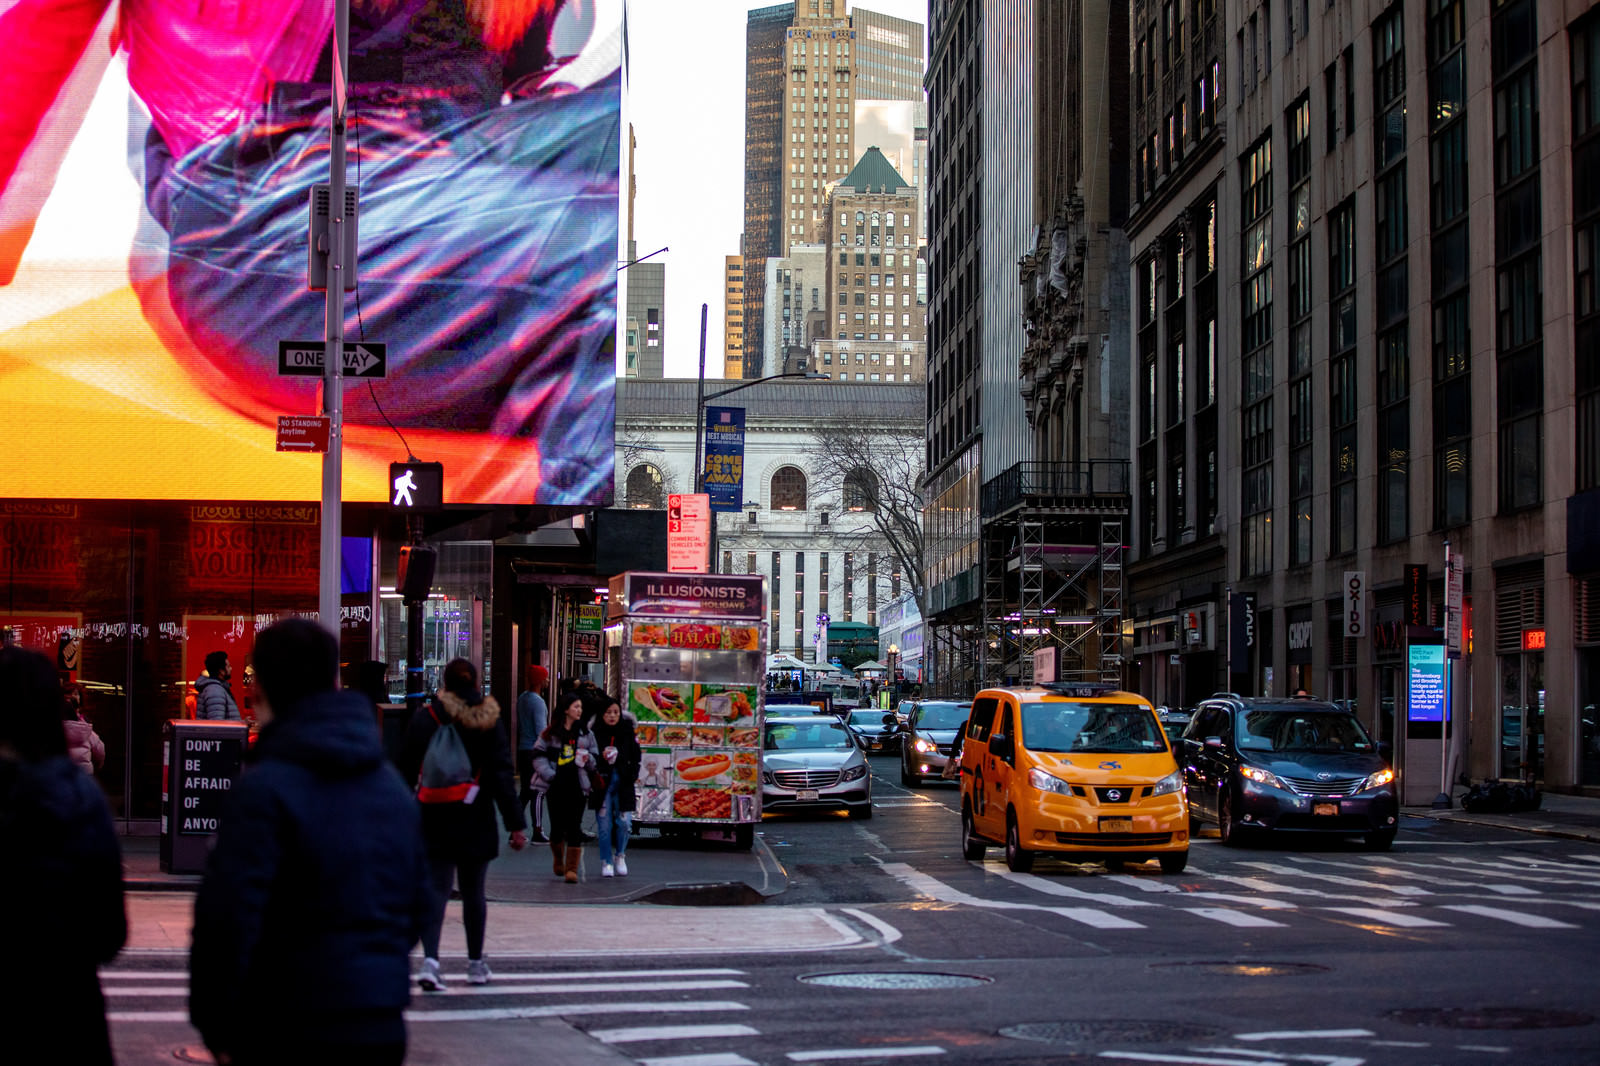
1078, 770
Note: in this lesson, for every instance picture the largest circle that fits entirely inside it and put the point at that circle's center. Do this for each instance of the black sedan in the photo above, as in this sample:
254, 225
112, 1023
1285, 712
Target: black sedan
1257, 764
876, 731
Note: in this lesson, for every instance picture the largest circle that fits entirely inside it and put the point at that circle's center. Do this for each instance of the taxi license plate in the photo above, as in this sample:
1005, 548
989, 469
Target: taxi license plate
1116, 825
1324, 808
806, 794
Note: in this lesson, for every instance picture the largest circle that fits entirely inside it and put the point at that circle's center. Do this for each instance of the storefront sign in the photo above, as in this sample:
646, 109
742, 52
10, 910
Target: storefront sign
1425, 683
591, 618
724, 471
688, 532
1355, 603
39, 542
1241, 630
250, 548
586, 646
1300, 636
1044, 666
700, 595
1533, 640
1416, 595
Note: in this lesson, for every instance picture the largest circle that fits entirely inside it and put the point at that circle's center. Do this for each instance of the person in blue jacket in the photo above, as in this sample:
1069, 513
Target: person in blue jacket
318, 885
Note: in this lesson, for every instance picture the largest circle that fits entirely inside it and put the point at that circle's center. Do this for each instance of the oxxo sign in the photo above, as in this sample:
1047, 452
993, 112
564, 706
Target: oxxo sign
1355, 603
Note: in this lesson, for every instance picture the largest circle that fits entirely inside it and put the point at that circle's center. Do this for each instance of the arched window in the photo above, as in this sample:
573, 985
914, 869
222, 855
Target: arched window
875, 218
861, 218
860, 490
644, 487
789, 489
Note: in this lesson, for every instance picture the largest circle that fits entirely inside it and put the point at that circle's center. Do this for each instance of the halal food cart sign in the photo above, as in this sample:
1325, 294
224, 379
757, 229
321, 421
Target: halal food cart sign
697, 595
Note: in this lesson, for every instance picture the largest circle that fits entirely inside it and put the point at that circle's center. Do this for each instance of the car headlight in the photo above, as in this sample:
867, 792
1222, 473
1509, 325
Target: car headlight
853, 773
923, 744
1377, 780
1173, 782
1048, 783
1262, 777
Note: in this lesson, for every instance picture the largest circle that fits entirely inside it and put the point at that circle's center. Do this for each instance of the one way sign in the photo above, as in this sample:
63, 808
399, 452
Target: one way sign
362, 359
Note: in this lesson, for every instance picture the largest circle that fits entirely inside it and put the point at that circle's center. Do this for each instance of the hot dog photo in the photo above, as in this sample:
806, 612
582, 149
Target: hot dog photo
705, 767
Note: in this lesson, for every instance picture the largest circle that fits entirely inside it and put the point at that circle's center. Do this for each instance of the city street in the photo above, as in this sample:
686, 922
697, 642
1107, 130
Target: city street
1466, 944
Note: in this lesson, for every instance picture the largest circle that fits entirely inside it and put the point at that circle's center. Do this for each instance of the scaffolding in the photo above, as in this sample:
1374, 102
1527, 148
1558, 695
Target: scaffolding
1052, 558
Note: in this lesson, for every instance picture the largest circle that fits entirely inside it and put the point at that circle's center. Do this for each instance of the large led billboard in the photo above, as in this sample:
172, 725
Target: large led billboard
156, 164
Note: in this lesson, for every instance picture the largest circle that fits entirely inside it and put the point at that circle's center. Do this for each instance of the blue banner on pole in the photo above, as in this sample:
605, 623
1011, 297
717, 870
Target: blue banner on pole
724, 472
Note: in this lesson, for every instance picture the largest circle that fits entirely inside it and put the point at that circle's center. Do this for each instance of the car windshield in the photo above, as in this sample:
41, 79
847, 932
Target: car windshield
807, 736
942, 715
1121, 728
1292, 730
868, 717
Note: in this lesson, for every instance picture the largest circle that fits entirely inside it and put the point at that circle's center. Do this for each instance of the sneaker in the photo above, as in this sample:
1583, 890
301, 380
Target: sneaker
478, 972
622, 866
430, 979
536, 836
607, 870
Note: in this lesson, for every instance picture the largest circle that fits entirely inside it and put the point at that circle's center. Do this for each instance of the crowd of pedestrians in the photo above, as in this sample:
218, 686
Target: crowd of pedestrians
331, 862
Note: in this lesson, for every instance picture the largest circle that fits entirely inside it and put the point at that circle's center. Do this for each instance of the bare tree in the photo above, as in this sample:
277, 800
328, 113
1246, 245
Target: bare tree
633, 450
875, 474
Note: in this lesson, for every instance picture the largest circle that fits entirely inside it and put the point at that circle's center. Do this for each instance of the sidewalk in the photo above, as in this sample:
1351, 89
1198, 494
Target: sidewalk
660, 871
1570, 817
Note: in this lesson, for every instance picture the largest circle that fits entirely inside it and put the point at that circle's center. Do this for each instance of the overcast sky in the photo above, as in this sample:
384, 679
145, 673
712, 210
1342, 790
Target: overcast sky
686, 69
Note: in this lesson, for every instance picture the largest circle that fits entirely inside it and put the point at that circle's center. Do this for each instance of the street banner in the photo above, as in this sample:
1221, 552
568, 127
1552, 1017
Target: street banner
724, 470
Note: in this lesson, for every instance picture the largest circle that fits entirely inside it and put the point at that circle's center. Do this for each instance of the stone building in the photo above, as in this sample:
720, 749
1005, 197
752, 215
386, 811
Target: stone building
872, 249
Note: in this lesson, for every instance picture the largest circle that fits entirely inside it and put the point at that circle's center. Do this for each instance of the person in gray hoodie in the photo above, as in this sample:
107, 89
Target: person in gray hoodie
213, 697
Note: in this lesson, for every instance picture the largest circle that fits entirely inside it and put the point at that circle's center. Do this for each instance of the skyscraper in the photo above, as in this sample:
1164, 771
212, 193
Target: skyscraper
766, 31
888, 56
733, 316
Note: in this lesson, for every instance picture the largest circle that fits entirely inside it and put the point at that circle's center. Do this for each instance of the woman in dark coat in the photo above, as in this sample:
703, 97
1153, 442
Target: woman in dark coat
62, 888
462, 838
563, 759
619, 766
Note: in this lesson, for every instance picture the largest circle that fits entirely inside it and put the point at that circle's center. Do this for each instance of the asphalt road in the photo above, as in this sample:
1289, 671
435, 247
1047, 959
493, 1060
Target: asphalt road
1463, 945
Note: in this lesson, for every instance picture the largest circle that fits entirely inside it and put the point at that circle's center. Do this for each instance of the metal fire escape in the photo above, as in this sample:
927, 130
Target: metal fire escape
1111, 600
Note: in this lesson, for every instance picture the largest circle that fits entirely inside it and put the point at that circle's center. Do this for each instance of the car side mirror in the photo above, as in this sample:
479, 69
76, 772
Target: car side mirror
1000, 746
1214, 742
890, 719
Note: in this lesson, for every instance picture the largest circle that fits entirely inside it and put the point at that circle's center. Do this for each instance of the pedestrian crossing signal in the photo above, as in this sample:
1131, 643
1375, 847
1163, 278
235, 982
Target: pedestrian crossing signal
416, 486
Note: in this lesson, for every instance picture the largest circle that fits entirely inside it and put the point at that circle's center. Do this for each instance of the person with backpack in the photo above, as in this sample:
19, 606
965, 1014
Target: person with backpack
619, 768
565, 760
458, 753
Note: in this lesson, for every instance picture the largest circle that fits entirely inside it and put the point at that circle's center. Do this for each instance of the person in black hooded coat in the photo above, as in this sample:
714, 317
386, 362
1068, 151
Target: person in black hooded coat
61, 890
318, 885
462, 838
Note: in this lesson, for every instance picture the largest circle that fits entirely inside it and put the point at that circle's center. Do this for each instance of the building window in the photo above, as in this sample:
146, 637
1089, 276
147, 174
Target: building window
1342, 378
1586, 244
1448, 163
1390, 234
788, 489
643, 487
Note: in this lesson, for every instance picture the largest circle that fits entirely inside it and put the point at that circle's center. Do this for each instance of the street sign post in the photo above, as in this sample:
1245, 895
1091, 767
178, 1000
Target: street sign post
688, 532
362, 359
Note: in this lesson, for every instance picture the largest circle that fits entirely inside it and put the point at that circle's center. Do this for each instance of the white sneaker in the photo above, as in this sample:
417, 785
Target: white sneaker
622, 865
607, 870
430, 979
478, 972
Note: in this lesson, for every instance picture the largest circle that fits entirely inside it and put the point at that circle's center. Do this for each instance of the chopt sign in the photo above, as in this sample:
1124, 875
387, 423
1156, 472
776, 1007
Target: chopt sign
207, 768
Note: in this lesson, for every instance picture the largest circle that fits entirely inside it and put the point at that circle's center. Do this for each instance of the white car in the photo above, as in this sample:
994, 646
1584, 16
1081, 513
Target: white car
813, 763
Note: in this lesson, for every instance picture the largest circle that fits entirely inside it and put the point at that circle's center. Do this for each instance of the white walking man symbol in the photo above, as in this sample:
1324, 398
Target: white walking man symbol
402, 489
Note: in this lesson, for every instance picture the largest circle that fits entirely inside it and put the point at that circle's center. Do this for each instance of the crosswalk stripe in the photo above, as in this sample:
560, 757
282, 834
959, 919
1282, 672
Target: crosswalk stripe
1235, 918
1056, 888
446, 1014
1337, 879
669, 1032
1256, 884
1383, 917
1530, 921
1097, 918
839, 1054
502, 989
716, 1058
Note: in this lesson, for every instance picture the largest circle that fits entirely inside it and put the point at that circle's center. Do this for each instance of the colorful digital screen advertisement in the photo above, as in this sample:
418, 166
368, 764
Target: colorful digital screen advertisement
157, 169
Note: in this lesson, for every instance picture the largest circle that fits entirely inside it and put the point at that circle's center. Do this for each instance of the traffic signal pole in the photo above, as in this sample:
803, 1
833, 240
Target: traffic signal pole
333, 332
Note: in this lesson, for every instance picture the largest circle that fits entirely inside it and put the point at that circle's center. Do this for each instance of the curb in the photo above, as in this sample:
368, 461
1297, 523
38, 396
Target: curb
1590, 836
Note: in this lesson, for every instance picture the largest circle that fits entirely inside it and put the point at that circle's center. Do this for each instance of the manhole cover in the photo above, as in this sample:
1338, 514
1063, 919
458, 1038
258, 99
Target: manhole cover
892, 981
1104, 1031
1490, 1018
1246, 969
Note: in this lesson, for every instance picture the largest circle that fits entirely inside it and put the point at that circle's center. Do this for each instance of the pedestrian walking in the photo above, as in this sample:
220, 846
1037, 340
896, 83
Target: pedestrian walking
461, 837
213, 697
564, 759
83, 743
619, 767
62, 889
533, 715
318, 885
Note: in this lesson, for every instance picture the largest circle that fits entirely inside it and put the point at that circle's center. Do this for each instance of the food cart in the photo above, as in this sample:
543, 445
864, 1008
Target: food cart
687, 653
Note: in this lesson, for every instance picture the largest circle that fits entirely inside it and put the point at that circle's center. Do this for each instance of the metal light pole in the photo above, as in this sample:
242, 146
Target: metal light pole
333, 332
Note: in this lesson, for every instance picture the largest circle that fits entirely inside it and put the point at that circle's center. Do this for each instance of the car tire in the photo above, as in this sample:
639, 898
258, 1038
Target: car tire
907, 778
1019, 860
1232, 835
1116, 865
863, 811
1174, 862
1379, 840
972, 849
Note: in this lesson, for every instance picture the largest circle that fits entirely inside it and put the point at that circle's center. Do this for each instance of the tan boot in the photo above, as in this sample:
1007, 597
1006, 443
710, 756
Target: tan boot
558, 849
574, 857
